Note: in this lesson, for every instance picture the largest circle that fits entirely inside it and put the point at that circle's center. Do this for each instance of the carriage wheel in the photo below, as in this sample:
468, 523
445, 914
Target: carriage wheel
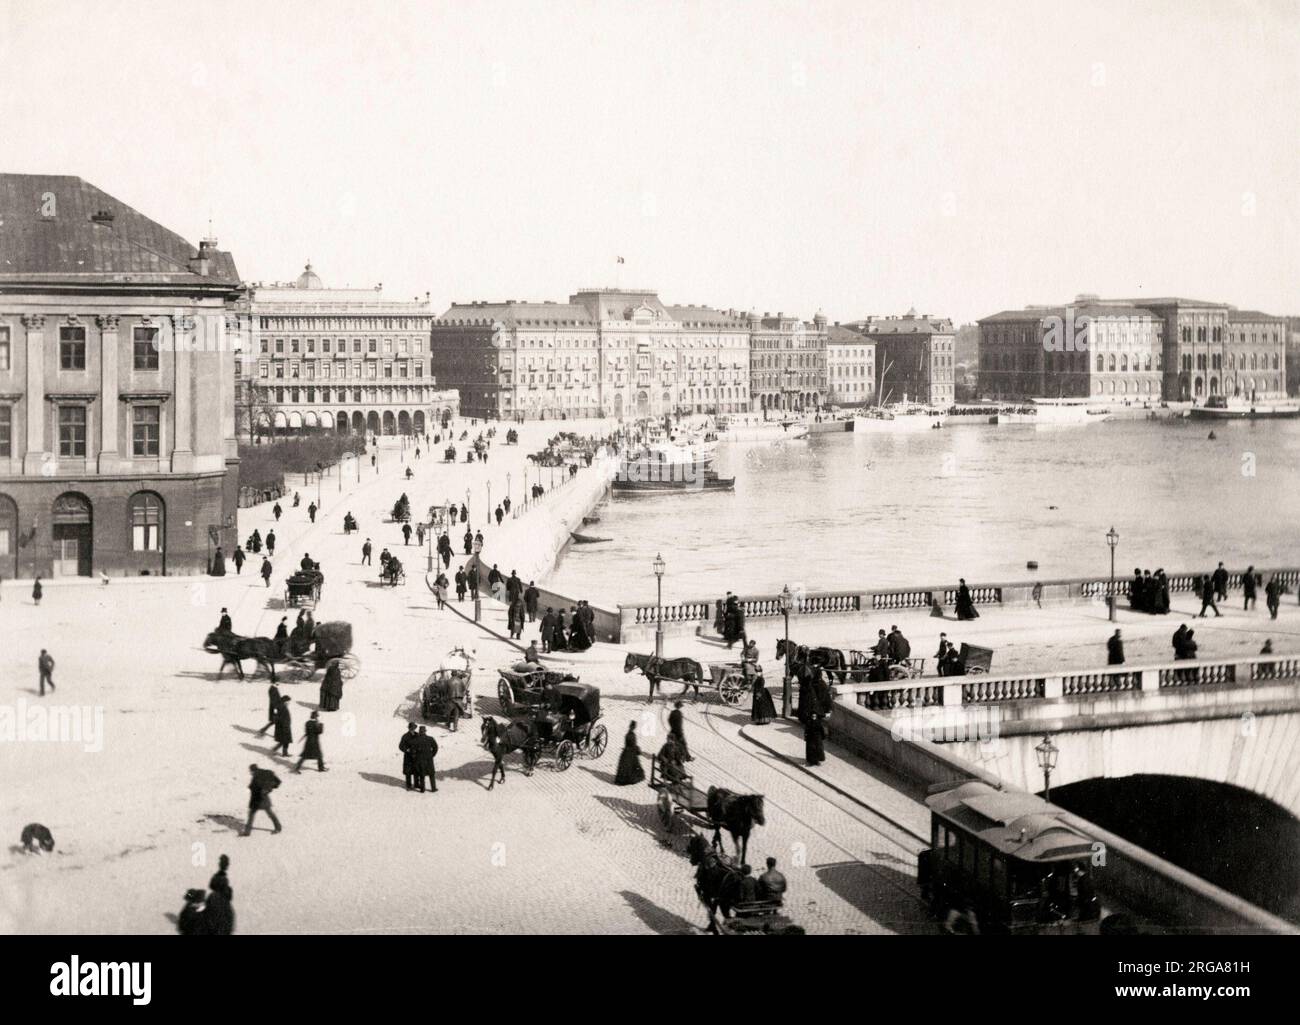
349, 666
732, 688
899, 673
297, 671
505, 695
597, 742
564, 754
665, 805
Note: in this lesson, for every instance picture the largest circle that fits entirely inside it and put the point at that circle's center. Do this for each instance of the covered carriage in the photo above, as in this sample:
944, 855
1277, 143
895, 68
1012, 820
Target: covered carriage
446, 694
303, 589
329, 642
567, 714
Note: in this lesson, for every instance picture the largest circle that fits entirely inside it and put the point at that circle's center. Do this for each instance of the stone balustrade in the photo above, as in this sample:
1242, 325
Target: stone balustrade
689, 616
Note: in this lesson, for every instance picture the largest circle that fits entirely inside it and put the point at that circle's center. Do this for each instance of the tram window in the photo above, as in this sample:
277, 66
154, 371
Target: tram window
949, 845
1024, 883
968, 855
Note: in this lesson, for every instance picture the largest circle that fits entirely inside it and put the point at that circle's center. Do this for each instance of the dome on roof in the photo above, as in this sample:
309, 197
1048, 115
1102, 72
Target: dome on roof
309, 278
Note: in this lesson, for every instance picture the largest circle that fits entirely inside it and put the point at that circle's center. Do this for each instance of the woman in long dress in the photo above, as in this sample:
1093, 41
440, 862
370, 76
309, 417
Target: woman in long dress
559, 641
331, 688
965, 604
219, 563
630, 769
578, 639
814, 733
763, 710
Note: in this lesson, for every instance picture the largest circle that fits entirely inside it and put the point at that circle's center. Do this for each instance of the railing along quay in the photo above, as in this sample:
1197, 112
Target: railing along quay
990, 690
830, 603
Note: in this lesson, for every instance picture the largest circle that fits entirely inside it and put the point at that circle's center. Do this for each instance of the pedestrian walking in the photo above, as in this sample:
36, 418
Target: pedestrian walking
36, 591
1248, 584
1273, 596
406, 533
1115, 650
219, 912
407, 746
266, 571
45, 666
460, 584
218, 568
440, 590
630, 769
331, 688
763, 710
311, 512
238, 558
500, 515
272, 708
1207, 597
366, 549
283, 735
260, 785
531, 595
676, 724
270, 542
1220, 581
277, 511
311, 744
426, 749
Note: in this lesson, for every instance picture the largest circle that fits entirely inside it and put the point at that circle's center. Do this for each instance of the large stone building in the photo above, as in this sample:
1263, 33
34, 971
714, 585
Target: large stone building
850, 367
117, 432
1127, 350
787, 362
348, 360
606, 352
915, 357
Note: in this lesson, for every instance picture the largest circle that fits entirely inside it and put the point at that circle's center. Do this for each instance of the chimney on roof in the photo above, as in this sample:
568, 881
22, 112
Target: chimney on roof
102, 217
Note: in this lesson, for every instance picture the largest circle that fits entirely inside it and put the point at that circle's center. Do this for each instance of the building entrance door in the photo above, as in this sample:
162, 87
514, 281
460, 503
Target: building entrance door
72, 536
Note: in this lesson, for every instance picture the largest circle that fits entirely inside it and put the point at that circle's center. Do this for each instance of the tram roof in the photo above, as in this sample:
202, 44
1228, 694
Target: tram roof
1018, 824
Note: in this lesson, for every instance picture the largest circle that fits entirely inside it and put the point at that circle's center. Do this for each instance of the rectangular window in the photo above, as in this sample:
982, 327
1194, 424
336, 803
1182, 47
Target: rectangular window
145, 426
293, 371
5, 354
418, 346
279, 345
356, 345
144, 346
293, 345
146, 524
374, 345
324, 345
311, 344
264, 370
6, 437
370, 368
72, 348
279, 371
266, 345
72, 431
388, 370
401, 370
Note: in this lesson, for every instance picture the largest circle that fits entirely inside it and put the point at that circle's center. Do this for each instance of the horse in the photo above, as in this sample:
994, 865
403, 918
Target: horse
500, 738
814, 658
234, 649
737, 814
717, 883
685, 670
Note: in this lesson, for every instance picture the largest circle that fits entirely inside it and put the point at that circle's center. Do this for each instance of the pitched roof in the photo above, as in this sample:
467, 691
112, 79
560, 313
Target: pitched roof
837, 334
518, 314
60, 229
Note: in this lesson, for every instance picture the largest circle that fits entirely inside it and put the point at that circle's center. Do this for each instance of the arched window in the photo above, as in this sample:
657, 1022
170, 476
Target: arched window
146, 511
8, 535
1275, 366
1101, 362
1112, 365
1123, 361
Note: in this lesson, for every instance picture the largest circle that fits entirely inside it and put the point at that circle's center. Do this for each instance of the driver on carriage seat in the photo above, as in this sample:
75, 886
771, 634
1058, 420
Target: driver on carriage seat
669, 758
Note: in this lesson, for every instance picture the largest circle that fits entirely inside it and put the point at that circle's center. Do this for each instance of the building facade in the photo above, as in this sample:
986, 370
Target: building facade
787, 362
850, 367
117, 433
915, 357
606, 352
336, 359
1121, 350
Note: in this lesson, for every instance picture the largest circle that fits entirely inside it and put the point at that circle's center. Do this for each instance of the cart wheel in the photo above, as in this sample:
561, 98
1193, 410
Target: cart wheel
899, 673
665, 805
732, 689
505, 695
349, 666
598, 741
564, 754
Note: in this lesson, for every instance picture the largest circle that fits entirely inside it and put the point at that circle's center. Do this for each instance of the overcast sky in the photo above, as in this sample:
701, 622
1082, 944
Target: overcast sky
857, 157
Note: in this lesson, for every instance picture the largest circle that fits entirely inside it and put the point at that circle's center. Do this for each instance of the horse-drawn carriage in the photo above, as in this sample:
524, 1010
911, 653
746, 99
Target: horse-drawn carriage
974, 660
853, 667
331, 641
446, 694
733, 680
566, 712
303, 589
392, 572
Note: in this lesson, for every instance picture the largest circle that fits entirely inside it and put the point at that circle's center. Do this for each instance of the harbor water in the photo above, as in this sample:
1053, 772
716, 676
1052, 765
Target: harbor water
849, 511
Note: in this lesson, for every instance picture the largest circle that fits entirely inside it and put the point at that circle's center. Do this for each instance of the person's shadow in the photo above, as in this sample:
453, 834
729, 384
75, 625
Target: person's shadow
384, 778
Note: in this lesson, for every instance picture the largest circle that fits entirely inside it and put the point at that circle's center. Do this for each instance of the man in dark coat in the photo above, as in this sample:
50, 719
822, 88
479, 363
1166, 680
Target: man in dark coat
260, 785
1273, 595
531, 595
514, 586
283, 727
460, 584
366, 549
311, 512
45, 667
270, 542
282, 635
469, 542
898, 646
1115, 650
273, 708
941, 656
814, 735
1220, 581
494, 577
192, 921
238, 558
500, 513
406, 533
425, 749
1138, 599
1160, 583
1248, 584
676, 724
224, 625
407, 745
266, 571
219, 913
311, 744
548, 626
1208, 588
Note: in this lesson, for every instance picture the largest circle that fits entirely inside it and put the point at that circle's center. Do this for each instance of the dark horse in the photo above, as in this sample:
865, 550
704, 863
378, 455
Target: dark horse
831, 659
685, 670
234, 649
717, 883
737, 814
500, 738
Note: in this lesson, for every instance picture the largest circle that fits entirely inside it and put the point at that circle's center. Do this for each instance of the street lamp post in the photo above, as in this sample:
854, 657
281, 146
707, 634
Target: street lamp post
785, 670
507, 485
1112, 539
489, 506
1047, 752
659, 566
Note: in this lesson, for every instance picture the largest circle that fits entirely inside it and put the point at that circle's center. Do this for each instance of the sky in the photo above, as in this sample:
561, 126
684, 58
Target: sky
856, 158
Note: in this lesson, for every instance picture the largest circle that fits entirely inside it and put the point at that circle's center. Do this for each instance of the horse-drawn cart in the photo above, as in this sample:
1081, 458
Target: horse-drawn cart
392, 572
733, 680
303, 589
566, 714
974, 659
333, 641
679, 800
446, 695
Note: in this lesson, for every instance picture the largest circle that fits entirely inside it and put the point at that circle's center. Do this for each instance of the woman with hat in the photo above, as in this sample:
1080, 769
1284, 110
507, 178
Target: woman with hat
630, 769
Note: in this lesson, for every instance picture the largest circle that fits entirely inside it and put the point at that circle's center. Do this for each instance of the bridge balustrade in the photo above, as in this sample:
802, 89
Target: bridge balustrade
989, 691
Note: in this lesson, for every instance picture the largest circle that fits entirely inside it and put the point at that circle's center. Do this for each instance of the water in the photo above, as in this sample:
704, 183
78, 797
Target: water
847, 511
